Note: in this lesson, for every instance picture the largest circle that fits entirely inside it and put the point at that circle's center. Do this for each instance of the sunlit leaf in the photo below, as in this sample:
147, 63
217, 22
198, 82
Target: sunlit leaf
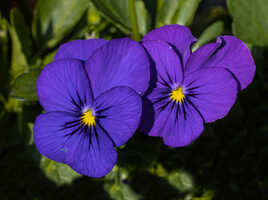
24, 87
4, 54
121, 191
54, 19
250, 20
21, 43
209, 34
187, 12
167, 11
118, 13
58, 172
181, 180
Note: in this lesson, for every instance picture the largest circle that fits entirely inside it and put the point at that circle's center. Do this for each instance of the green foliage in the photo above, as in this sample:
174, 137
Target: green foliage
54, 19
186, 12
118, 13
209, 34
229, 160
177, 12
250, 20
167, 11
117, 188
121, 191
181, 180
4, 55
57, 172
208, 195
24, 86
21, 43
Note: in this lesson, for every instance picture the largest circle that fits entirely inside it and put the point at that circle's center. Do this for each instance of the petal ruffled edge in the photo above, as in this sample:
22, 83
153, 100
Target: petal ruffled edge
120, 62
79, 49
229, 53
212, 91
179, 36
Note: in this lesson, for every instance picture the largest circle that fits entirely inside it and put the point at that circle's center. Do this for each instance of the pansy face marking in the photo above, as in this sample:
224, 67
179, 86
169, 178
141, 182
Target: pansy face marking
208, 78
177, 95
88, 118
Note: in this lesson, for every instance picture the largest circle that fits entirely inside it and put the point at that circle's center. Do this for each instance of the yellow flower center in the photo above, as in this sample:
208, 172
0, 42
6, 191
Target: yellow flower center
88, 119
177, 95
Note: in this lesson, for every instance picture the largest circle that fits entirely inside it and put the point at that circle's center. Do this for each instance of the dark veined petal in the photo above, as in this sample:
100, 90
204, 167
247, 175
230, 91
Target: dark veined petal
178, 36
120, 62
63, 85
213, 91
55, 134
79, 49
177, 123
95, 155
118, 113
166, 62
230, 53
61, 137
183, 125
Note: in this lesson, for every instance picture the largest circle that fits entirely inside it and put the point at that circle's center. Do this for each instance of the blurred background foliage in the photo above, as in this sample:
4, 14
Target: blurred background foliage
229, 160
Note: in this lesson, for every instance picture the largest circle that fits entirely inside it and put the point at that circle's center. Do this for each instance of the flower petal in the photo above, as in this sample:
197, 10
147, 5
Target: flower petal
118, 111
79, 49
183, 126
200, 57
178, 36
212, 90
177, 123
166, 61
120, 62
230, 53
63, 85
53, 134
95, 155
88, 151
154, 113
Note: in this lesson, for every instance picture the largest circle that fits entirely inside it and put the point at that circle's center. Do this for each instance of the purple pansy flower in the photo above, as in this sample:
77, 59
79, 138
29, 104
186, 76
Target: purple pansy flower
92, 106
192, 88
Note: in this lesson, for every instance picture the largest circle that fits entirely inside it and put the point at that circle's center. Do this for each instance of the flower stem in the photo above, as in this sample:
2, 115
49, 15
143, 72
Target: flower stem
133, 20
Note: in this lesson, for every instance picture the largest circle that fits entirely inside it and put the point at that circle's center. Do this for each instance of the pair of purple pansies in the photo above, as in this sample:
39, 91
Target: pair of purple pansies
97, 93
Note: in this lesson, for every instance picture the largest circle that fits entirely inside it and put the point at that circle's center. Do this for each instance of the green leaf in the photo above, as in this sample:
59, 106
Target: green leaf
30, 126
186, 12
167, 12
115, 186
93, 16
58, 172
4, 55
54, 19
143, 17
21, 43
118, 13
181, 180
250, 20
121, 191
207, 195
24, 87
209, 34
48, 58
